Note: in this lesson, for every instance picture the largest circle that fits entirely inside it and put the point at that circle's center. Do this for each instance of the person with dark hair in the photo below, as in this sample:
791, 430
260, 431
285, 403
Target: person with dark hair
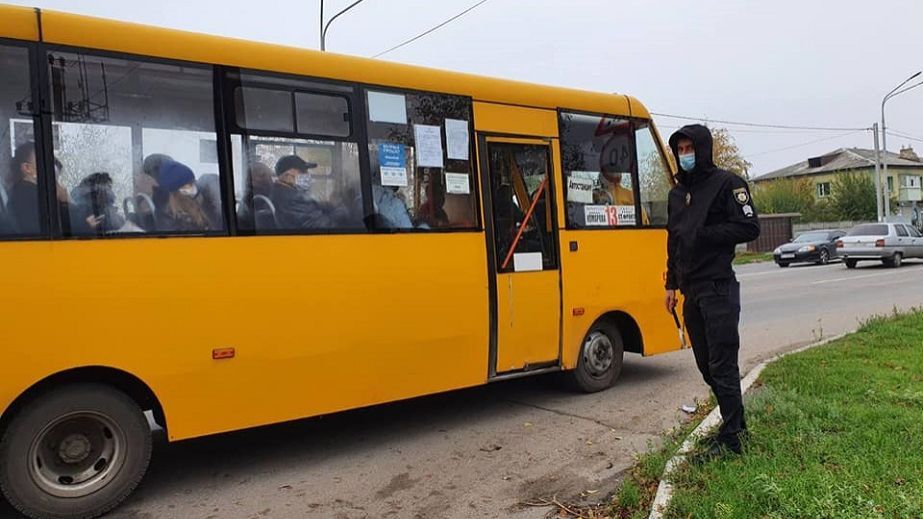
710, 211
295, 209
94, 203
253, 213
177, 208
23, 194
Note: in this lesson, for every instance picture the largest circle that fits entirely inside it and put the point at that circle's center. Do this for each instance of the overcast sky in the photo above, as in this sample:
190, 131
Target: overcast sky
792, 62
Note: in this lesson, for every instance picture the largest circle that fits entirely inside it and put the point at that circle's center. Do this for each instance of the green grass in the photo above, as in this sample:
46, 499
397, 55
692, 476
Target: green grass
744, 258
836, 431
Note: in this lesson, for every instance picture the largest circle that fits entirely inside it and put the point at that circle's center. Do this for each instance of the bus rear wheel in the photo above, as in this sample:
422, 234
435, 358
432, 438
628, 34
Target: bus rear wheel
75, 452
600, 361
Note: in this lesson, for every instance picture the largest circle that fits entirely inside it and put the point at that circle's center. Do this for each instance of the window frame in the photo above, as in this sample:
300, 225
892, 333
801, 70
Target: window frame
651, 127
635, 173
346, 89
472, 158
825, 192
224, 171
485, 140
35, 64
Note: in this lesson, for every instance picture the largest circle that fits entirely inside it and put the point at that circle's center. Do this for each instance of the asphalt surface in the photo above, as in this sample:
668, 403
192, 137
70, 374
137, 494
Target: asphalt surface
484, 452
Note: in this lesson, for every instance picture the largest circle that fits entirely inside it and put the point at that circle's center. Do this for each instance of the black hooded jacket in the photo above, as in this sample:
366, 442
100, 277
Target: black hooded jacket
710, 212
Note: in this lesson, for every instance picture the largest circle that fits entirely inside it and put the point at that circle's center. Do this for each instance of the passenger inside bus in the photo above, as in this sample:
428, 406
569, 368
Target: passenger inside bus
256, 209
390, 210
23, 193
93, 202
432, 213
175, 200
295, 208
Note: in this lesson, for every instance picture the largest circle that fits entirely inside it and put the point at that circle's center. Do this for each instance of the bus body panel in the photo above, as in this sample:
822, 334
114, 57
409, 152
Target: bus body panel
84, 31
515, 120
20, 23
615, 271
318, 323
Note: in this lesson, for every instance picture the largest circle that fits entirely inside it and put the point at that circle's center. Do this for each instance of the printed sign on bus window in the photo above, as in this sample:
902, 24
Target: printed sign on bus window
393, 161
579, 189
609, 215
595, 216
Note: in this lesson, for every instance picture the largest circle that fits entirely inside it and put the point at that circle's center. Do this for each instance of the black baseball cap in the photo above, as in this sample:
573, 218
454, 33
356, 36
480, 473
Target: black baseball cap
293, 162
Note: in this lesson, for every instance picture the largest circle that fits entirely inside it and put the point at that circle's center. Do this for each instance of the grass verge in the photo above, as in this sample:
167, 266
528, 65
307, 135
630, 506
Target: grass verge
836, 431
744, 258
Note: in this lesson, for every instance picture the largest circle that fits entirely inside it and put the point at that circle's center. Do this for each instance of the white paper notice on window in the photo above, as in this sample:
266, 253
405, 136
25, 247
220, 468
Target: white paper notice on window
428, 141
579, 190
624, 215
387, 108
457, 184
456, 139
595, 216
527, 261
392, 176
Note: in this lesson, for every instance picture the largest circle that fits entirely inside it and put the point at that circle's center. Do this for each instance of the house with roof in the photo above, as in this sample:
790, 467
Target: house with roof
904, 183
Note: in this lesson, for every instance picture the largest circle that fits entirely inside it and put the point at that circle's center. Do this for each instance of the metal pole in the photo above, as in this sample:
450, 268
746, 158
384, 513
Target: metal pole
884, 136
877, 173
320, 33
884, 147
324, 28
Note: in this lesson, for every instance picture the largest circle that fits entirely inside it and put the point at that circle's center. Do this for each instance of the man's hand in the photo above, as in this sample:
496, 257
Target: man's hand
670, 301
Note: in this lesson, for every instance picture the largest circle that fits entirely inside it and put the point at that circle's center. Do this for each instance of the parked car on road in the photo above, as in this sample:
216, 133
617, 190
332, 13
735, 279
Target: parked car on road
810, 247
889, 243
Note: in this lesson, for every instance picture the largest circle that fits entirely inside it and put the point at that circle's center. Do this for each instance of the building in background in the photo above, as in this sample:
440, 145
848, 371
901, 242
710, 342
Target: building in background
905, 175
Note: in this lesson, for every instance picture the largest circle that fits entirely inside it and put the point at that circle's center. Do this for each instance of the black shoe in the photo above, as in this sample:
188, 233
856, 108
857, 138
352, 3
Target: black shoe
716, 450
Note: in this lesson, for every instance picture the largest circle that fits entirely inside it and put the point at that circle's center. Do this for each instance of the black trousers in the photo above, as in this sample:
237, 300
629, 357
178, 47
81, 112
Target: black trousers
712, 314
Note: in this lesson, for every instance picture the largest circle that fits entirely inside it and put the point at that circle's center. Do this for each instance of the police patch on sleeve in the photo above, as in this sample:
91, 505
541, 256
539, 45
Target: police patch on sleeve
747, 210
742, 196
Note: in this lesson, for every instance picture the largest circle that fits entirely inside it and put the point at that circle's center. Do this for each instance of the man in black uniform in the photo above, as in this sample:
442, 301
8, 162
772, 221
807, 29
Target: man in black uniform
710, 212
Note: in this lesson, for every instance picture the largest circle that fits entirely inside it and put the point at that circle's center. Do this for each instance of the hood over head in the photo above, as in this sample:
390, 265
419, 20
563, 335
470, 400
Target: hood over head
702, 141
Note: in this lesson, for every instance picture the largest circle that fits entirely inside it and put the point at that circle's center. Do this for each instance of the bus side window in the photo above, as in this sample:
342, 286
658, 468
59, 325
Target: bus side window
653, 174
295, 158
598, 158
136, 146
420, 160
19, 176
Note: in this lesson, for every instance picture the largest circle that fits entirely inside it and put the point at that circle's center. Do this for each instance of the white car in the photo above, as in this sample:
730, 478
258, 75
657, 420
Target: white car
889, 243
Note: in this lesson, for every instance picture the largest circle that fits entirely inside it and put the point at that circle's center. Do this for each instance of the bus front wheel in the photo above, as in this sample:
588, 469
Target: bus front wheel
77, 451
600, 361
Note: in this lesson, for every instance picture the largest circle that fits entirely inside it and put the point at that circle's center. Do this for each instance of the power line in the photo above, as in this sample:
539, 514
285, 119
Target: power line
903, 136
759, 125
767, 131
804, 144
428, 31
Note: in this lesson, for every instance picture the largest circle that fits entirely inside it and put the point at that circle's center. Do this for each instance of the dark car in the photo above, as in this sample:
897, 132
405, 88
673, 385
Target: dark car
810, 247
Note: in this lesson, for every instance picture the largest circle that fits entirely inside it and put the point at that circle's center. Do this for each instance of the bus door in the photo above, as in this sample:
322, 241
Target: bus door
525, 276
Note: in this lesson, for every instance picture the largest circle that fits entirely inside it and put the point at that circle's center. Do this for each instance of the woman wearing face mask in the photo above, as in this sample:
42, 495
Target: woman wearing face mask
177, 208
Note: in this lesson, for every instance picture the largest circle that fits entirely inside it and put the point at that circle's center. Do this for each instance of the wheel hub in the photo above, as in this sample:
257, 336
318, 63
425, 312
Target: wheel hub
74, 449
598, 353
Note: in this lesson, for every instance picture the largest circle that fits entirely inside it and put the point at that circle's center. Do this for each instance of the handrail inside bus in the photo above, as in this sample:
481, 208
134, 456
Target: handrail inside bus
525, 222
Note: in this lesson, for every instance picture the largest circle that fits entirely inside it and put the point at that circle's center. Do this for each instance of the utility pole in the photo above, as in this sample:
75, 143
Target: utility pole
884, 135
877, 174
324, 28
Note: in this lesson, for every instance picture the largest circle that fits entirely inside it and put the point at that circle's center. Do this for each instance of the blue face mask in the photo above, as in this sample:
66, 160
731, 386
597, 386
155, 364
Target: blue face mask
687, 161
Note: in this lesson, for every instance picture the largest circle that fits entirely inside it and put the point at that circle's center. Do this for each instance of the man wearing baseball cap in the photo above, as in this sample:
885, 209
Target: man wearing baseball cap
291, 195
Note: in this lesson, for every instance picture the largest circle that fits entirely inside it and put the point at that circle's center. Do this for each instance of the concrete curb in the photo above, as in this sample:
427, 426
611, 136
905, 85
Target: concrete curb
665, 488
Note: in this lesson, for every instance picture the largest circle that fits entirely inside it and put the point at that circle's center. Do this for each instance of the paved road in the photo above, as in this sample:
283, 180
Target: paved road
480, 453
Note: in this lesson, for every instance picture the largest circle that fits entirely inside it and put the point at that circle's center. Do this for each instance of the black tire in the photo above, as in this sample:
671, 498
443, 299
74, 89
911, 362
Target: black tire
587, 376
894, 261
850, 263
783, 265
824, 257
94, 422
